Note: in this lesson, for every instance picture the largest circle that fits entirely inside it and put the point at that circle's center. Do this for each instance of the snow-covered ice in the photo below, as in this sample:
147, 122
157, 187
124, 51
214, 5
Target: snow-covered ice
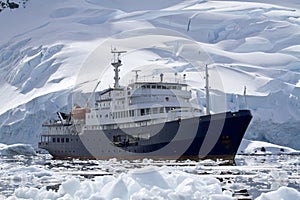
262, 148
281, 193
144, 183
16, 149
37, 177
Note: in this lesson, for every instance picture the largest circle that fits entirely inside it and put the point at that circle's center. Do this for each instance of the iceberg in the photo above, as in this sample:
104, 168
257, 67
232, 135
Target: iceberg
17, 149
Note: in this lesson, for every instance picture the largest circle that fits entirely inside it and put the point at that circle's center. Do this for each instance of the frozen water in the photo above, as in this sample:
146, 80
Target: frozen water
281, 193
16, 149
39, 177
263, 148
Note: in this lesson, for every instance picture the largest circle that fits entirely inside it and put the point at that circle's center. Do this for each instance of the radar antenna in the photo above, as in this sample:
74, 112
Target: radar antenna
245, 96
136, 74
116, 63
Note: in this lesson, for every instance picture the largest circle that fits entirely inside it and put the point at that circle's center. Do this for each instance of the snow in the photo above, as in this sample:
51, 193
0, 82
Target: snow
150, 180
281, 193
16, 149
43, 60
145, 183
263, 148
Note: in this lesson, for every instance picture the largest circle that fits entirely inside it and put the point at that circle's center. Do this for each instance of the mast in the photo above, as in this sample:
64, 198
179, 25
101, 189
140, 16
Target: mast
136, 74
93, 93
245, 93
116, 63
161, 77
207, 91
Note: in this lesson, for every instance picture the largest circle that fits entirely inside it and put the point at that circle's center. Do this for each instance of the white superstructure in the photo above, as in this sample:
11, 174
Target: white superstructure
139, 104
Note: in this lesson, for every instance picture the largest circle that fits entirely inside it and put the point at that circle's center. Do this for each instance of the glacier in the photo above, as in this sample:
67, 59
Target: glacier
45, 46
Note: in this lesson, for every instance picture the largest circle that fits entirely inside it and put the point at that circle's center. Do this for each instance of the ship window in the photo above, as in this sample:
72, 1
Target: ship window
53, 139
147, 111
148, 86
159, 87
153, 86
143, 123
154, 110
161, 110
58, 139
67, 140
142, 112
62, 140
168, 109
131, 113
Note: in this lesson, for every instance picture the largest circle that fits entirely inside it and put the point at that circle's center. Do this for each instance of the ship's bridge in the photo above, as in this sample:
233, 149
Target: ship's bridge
158, 85
158, 92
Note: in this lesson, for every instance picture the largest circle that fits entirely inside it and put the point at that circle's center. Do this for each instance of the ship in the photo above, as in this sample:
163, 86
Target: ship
145, 119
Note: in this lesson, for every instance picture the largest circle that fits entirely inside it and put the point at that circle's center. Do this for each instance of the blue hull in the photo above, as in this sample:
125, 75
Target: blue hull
212, 136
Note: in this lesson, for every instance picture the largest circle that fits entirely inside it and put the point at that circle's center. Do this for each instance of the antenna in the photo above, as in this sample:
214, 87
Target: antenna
207, 91
94, 90
116, 63
161, 77
245, 99
136, 74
